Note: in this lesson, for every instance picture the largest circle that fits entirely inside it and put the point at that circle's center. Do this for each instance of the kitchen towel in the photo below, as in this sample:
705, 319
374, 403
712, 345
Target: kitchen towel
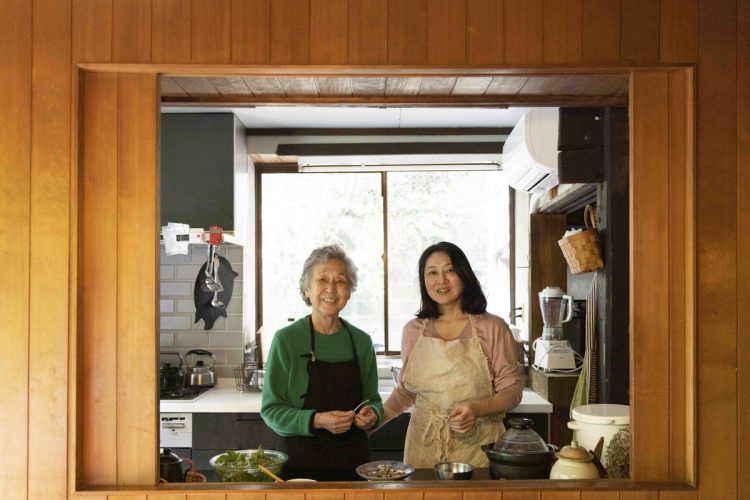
176, 238
586, 388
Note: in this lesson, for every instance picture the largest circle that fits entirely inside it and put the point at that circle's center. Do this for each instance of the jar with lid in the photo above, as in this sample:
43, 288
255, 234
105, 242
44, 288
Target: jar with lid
574, 462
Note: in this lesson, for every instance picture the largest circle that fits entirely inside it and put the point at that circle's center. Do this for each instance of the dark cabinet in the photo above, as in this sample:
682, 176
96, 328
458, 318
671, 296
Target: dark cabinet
387, 443
215, 433
580, 144
197, 169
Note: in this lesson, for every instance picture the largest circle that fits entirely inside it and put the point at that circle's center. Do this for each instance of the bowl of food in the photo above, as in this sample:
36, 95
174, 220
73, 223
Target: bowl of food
384, 470
242, 465
453, 470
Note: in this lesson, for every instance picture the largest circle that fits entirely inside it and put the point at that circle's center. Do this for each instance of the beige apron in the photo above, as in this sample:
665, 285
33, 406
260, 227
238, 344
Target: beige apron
442, 374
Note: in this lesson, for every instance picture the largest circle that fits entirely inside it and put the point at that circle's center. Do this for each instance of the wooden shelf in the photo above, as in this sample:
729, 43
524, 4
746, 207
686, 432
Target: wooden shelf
567, 198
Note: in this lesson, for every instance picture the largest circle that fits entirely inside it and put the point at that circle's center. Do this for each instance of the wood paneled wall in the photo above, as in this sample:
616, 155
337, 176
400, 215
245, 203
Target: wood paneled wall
118, 231
72, 293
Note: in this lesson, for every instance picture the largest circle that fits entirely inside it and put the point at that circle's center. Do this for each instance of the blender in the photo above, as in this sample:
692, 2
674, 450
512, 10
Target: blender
551, 351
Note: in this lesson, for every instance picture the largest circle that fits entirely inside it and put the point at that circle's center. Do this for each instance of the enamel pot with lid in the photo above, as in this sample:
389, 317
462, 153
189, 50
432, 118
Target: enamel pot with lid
200, 368
520, 453
595, 421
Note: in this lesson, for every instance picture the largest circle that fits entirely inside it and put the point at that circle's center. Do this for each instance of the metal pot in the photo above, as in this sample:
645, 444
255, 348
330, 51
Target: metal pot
170, 467
170, 376
520, 453
200, 368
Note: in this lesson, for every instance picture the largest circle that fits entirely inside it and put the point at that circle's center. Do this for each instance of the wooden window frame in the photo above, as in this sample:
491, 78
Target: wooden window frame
662, 281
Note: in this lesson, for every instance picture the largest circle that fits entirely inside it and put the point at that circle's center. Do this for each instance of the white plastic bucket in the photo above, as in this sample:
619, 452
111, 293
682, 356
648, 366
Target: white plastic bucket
592, 422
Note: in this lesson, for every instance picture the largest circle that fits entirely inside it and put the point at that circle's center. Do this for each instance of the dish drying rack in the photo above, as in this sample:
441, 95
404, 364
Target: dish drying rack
249, 378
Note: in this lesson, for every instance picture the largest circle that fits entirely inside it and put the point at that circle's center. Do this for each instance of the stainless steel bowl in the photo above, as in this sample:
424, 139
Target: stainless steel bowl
453, 470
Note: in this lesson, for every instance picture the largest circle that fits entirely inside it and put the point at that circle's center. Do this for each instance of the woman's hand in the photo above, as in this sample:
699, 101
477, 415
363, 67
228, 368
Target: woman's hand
366, 418
335, 422
463, 417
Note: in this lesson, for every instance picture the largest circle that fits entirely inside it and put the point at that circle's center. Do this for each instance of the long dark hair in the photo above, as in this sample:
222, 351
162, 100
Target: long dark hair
473, 300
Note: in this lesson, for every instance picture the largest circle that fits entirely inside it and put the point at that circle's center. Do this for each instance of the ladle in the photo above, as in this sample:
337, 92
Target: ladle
210, 283
215, 302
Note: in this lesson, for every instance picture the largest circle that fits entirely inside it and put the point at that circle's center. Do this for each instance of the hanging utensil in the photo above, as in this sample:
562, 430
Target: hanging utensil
209, 284
215, 302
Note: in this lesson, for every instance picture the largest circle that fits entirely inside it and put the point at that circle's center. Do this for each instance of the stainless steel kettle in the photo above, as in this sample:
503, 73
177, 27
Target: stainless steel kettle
200, 368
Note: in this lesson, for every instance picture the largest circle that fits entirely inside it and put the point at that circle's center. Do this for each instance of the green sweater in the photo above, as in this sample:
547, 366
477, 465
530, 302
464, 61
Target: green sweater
286, 374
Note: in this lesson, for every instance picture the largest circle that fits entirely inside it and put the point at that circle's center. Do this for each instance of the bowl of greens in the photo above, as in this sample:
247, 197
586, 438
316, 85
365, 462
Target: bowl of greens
242, 465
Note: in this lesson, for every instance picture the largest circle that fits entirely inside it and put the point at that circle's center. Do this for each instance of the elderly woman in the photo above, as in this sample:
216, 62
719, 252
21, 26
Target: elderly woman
319, 369
460, 371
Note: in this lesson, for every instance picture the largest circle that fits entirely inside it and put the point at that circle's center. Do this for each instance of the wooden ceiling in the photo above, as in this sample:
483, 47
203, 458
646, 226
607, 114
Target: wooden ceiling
581, 89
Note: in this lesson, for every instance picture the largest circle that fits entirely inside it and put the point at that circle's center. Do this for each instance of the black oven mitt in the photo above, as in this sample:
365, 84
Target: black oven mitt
203, 308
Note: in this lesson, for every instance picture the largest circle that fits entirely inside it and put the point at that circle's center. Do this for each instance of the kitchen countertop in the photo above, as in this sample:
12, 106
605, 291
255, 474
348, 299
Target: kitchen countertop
480, 474
225, 398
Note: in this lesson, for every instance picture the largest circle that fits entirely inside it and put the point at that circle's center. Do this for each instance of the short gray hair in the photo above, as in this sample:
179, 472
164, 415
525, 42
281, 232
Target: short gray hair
321, 255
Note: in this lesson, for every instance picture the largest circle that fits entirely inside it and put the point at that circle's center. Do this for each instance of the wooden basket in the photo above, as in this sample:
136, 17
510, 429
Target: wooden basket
192, 476
195, 477
581, 250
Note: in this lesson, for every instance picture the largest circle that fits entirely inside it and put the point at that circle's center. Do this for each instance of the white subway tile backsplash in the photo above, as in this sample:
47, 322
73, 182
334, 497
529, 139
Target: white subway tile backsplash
220, 355
179, 330
187, 272
191, 339
234, 255
226, 339
224, 371
173, 259
167, 322
234, 322
185, 306
166, 273
175, 289
235, 357
235, 305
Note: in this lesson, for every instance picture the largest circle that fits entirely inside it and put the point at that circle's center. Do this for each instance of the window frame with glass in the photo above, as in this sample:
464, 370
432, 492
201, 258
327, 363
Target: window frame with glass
500, 287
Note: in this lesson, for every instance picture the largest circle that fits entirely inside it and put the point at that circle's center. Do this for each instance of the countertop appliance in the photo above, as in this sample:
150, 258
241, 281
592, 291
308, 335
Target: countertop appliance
551, 351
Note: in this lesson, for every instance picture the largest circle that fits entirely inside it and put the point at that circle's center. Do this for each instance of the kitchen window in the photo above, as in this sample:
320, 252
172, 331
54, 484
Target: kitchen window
383, 221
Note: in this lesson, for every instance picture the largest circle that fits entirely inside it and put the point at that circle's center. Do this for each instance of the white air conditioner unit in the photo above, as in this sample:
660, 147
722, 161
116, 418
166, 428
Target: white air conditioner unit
530, 151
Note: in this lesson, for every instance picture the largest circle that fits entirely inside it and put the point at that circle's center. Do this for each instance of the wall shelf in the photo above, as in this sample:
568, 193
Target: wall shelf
197, 236
567, 198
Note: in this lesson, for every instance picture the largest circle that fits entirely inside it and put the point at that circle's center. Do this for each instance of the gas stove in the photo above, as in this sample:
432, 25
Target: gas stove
183, 394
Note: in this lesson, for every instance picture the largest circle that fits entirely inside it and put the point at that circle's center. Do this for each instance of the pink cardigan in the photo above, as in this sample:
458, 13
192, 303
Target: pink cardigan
499, 348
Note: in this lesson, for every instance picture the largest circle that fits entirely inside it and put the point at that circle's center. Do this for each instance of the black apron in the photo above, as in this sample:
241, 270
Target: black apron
326, 456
